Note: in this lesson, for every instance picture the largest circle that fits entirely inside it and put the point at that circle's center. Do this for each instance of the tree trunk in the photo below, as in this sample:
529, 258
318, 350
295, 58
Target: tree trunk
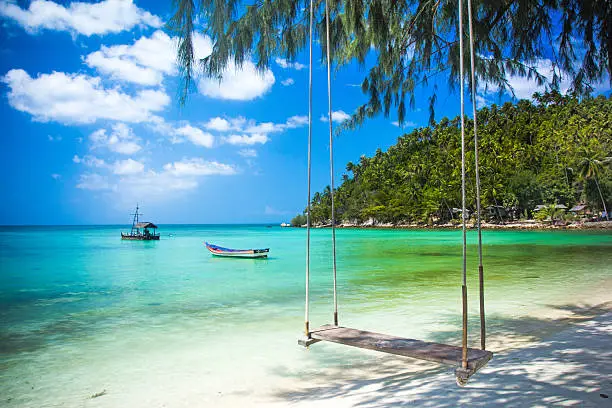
603, 202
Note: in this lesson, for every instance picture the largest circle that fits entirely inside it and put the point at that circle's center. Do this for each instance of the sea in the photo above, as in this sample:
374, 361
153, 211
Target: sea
87, 319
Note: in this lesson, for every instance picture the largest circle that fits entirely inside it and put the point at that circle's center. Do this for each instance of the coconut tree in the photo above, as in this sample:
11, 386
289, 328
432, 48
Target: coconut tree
590, 167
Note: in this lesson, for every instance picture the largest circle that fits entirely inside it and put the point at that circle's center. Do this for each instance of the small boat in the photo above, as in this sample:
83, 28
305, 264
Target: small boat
140, 230
237, 253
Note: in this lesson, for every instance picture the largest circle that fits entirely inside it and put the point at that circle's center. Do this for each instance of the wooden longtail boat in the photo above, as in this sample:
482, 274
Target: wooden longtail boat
237, 253
140, 230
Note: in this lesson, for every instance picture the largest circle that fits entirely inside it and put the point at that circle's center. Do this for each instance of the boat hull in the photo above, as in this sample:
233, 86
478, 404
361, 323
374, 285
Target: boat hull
139, 237
237, 253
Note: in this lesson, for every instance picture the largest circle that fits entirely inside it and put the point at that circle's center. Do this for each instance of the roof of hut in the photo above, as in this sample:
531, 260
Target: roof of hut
145, 225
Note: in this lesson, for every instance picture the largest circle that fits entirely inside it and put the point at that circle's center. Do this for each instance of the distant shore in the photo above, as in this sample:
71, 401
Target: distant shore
513, 225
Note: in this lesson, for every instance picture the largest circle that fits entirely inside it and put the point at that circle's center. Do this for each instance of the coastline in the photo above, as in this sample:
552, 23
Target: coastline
518, 225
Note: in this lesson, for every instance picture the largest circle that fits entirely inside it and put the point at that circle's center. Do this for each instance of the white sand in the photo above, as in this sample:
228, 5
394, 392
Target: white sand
572, 367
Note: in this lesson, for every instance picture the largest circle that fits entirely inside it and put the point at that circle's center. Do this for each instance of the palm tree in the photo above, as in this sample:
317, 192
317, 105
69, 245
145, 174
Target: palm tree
589, 168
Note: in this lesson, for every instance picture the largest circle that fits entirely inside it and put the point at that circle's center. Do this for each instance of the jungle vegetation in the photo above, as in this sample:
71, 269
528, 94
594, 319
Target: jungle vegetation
554, 150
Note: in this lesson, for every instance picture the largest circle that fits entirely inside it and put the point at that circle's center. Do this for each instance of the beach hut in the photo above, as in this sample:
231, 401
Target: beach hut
497, 212
580, 210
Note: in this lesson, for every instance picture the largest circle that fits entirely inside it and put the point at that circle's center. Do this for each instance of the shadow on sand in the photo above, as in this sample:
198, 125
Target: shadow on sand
572, 365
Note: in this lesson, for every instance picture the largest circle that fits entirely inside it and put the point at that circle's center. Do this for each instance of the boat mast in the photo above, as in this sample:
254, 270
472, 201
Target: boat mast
135, 221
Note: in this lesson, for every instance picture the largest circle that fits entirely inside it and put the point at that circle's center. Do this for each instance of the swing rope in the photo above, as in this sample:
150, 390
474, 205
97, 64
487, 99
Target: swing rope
477, 170
307, 329
331, 159
464, 361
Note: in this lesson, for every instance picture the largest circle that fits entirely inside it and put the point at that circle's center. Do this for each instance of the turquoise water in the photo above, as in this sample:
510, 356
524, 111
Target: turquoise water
81, 310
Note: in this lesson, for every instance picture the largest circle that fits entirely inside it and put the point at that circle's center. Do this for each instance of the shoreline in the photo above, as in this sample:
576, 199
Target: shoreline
533, 225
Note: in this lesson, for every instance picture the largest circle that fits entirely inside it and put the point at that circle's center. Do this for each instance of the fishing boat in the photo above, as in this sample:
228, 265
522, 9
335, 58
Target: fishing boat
141, 230
237, 253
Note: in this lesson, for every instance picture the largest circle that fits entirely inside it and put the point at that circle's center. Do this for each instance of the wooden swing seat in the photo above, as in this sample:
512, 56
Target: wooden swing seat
421, 350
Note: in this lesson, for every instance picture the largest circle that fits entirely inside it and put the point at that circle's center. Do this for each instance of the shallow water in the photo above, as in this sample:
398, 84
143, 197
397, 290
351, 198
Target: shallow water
164, 322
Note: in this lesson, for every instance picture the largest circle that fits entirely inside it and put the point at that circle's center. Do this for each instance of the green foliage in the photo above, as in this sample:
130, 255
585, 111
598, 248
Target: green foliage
298, 220
555, 150
411, 41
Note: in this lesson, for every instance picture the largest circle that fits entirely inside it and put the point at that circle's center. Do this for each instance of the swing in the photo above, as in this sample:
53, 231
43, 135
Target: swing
466, 360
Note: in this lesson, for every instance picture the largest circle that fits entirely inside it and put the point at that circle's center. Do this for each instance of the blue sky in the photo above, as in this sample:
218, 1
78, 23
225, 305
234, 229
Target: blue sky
92, 124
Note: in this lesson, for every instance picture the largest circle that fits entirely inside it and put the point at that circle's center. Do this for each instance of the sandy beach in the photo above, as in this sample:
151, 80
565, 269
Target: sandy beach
570, 368
560, 356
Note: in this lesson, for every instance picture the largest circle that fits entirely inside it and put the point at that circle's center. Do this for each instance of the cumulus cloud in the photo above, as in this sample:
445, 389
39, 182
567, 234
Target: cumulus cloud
287, 82
283, 63
108, 16
218, 124
524, 87
199, 167
296, 121
337, 116
128, 180
78, 99
90, 161
121, 139
238, 83
196, 136
249, 132
247, 140
241, 124
128, 166
147, 60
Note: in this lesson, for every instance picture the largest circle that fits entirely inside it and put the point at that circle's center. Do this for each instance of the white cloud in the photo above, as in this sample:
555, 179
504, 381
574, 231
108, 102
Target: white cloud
283, 63
265, 128
287, 82
128, 166
296, 121
337, 116
199, 167
196, 136
90, 161
219, 124
147, 60
129, 181
109, 16
54, 138
240, 84
93, 181
121, 140
73, 98
407, 124
248, 152
241, 131
481, 101
56, 176
523, 87
152, 184
246, 140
